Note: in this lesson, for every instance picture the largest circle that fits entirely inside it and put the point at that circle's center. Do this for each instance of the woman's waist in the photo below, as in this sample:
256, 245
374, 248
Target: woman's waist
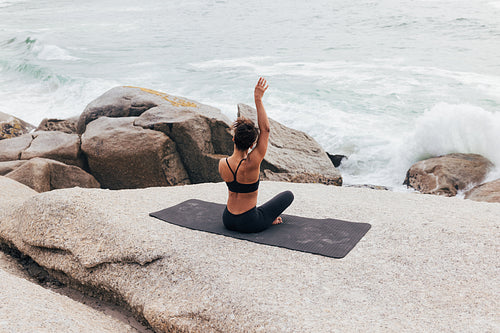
238, 203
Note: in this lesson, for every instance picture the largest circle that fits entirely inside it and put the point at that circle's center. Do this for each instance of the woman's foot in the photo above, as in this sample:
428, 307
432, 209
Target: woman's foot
278, 220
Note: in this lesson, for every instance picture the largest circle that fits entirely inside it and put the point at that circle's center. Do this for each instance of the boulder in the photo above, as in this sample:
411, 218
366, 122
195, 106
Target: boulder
131, 102
61, 125
200, 132
121, 155
57, 146
8, 166
448, 174
336, 159
44, 175
202, 138
489, 192
293, 155
11, 126
11, 149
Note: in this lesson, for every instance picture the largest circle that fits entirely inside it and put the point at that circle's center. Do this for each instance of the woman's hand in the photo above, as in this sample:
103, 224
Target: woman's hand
260, 89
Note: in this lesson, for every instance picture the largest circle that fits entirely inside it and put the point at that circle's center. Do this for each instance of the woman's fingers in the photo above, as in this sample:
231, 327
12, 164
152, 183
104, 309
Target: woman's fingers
262, 83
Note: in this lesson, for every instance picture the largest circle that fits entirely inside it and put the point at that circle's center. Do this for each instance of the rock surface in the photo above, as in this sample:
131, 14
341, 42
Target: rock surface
11, 190
293, 155
11, 149
412, 264
11, 126
197, 137
27, 307
57, 146
43, 174
448, 174
62, 125
121, 155
133, 101
8, 166
202, 137
489, 192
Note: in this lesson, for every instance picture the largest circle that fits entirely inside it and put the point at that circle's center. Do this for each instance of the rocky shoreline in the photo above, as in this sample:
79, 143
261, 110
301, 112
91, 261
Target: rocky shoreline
57, 208
133, 137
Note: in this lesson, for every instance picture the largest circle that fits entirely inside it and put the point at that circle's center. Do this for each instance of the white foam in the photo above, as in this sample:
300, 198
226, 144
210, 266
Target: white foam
495, 4
452, 128
51, 52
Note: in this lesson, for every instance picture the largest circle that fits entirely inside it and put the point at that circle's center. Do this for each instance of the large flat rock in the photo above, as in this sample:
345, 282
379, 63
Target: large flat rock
427, 264
27, 307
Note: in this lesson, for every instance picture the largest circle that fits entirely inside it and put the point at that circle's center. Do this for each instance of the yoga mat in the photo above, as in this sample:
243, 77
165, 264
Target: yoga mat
327, 237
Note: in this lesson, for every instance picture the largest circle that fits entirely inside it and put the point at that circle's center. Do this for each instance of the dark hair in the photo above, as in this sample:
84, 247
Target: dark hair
245, 133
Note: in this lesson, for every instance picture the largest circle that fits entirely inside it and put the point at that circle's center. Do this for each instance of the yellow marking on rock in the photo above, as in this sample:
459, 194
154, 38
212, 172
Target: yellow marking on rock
175, 101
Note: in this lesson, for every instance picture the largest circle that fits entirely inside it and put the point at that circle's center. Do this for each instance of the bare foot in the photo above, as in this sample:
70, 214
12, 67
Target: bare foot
278, 220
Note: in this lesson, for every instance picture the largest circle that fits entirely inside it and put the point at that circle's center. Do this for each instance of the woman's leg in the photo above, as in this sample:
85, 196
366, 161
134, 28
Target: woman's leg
274, 207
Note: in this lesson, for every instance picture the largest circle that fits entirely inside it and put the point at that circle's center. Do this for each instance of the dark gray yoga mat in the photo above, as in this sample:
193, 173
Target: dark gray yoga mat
327, 237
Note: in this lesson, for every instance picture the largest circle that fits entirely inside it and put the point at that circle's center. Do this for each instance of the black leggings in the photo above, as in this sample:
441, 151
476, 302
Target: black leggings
258, 218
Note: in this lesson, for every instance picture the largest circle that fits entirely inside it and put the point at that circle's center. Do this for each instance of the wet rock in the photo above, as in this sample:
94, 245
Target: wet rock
489, 192
336, 159
448, 174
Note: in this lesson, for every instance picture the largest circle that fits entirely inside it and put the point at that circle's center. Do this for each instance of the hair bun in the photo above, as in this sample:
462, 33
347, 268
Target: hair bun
245, 133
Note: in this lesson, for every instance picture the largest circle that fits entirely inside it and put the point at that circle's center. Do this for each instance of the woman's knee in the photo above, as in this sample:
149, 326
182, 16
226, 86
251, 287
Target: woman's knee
288, 197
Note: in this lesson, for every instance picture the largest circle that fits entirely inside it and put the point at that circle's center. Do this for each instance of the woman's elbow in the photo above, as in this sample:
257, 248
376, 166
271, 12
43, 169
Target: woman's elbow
265, 128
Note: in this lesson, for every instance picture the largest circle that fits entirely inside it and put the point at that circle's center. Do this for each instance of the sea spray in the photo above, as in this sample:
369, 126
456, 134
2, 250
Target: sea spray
460, 128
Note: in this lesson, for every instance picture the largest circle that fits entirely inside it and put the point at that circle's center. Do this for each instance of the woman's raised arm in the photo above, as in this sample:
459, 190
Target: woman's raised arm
262, 120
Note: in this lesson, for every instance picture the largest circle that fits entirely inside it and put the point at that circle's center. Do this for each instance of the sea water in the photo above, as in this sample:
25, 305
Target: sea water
386, 83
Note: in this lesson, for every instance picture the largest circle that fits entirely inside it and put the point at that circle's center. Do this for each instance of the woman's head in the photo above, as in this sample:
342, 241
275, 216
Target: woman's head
245, 133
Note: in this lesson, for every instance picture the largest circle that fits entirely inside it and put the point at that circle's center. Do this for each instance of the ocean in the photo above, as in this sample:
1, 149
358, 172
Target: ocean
386, 83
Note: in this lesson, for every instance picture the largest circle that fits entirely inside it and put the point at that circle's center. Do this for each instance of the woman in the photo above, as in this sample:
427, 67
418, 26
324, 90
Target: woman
241, 171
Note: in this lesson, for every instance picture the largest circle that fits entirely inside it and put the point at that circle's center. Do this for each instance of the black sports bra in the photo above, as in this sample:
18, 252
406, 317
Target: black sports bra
236, 187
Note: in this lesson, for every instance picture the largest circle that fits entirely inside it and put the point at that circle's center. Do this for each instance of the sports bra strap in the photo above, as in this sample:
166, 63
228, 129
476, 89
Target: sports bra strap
235, 172
230, 168
238, 168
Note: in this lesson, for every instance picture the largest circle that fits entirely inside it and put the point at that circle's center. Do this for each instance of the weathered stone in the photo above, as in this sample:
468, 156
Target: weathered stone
201, 141
8, 166
129, 102
489, 192
57, 146
11, 126
27, 307
121, 155
44, 175
61, 125
336, 159
294, 152
13, 190
11, 149
370, 186
298, 177
181, 280
448, 174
